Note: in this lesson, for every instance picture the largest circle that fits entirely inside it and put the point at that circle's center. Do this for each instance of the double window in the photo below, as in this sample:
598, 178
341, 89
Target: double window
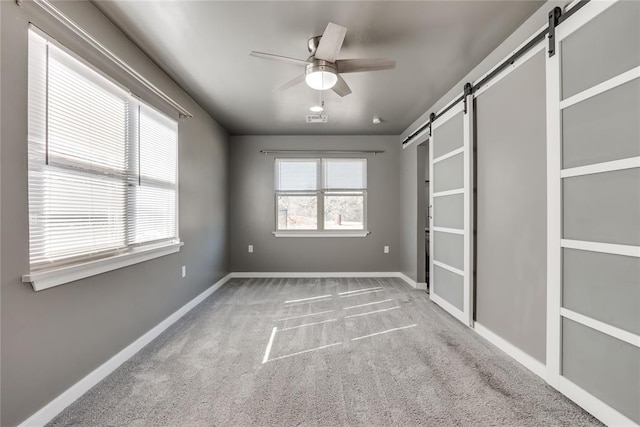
321, 195
102, 164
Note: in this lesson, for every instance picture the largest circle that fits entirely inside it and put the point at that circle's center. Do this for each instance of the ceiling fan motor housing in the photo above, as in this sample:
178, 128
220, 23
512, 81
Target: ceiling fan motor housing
321, 65
312, 44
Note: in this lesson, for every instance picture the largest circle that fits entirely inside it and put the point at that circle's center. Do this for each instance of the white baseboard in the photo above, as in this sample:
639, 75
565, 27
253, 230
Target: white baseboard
57, 405
592, 404
411, 282
526, 360
305, 274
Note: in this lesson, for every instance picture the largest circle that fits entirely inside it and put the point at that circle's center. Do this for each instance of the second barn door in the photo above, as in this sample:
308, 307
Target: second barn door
451, 225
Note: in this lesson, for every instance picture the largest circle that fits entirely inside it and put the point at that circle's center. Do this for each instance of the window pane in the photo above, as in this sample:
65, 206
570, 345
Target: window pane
158, 146
345, 174
296, 175
155, 193
78, 214
102, 166
87, 118
344, 212
297, 212
155, 214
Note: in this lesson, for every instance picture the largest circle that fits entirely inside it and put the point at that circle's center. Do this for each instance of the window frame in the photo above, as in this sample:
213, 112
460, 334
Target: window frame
320, 193
46, 275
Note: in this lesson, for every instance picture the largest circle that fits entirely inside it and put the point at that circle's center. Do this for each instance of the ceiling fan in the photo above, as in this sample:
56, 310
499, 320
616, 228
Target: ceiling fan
322, 68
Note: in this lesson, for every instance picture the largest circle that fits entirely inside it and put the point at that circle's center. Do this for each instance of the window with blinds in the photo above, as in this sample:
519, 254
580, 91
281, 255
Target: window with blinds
102, 164
321, 194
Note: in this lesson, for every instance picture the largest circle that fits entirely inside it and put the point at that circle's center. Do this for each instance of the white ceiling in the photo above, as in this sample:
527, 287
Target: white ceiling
205, 45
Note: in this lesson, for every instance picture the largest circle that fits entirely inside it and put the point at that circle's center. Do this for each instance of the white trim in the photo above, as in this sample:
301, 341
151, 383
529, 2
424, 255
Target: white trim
431, 217
321, 234
449, 230
468, 213
606, 248
418, 138
448, 307
554, 213
411, 282
520, 61
337, 274
612, 83
57, 405
58, 276
592, 404
421, 286
580, 18
448, 268
449, 192
454, 111
304, 274
599, 326
449, 154
529, 362
614, 165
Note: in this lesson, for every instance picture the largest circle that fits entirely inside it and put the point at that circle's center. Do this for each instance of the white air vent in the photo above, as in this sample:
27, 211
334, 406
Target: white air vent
317, 118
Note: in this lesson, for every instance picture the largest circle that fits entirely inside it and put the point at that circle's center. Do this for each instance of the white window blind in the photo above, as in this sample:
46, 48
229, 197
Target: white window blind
102, 165
320, 194
297, 175
346, 174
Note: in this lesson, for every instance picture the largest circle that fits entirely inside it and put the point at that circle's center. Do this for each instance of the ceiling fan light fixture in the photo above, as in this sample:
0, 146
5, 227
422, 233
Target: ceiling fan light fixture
321, 75
317, 109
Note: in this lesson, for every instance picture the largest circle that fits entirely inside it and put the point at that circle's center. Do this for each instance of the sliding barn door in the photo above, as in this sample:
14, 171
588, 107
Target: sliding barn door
593, 107
451, 189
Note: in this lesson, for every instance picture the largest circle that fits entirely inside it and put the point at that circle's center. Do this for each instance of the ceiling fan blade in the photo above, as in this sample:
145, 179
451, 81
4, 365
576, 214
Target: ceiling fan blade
290, 83
331, 42
358, 65
278, 58
341, 87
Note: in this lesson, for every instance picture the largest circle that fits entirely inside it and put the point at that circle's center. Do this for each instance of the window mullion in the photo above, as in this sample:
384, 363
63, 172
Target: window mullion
320, 195
133, 168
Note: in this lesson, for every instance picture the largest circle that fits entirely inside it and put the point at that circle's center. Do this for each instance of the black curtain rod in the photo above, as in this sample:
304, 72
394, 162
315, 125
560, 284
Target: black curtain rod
506, 63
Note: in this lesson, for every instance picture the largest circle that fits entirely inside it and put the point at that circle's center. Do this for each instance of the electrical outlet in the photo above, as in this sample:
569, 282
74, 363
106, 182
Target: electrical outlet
386, 249
184, 271
250, 249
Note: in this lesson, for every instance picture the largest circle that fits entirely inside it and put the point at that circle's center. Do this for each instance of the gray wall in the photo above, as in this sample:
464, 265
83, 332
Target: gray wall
53, 338
511, 273
251, 196
531, 310
412, 259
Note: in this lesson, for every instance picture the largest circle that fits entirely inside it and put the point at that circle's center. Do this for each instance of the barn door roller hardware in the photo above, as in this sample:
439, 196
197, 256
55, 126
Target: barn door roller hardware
468, 90
432, 118
554, 20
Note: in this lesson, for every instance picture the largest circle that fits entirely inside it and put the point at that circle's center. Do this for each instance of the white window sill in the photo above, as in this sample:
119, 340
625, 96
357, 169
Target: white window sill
58, 276
321, 233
